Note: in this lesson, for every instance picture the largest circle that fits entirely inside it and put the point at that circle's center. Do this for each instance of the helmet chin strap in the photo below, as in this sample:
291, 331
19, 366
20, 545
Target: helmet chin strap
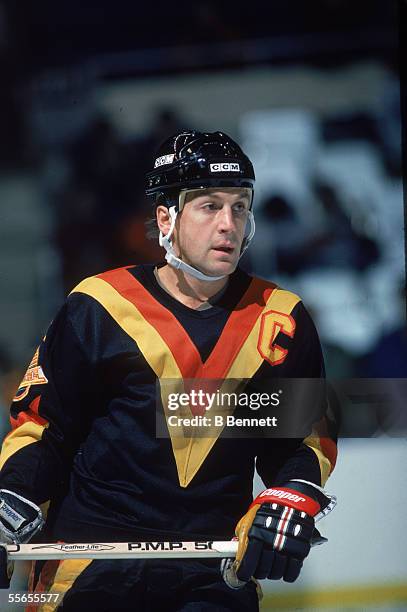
176, 262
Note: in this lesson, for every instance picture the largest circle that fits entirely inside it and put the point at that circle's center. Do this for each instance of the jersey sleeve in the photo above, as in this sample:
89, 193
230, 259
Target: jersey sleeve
52, 409
311, 458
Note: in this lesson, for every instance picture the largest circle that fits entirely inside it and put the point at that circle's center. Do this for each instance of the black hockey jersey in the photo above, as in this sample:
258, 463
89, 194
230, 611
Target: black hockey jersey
84, 418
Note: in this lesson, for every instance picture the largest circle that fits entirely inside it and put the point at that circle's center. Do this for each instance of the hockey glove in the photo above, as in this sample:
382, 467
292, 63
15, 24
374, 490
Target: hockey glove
277, 532
20, 519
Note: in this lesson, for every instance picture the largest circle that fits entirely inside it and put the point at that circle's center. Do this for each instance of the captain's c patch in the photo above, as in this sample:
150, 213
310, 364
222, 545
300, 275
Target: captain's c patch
272, 323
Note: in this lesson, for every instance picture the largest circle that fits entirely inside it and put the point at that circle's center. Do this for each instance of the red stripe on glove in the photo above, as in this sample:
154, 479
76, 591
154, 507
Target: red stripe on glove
288, 497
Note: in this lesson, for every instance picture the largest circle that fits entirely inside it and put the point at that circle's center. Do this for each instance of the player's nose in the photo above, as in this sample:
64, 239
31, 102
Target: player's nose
226, 222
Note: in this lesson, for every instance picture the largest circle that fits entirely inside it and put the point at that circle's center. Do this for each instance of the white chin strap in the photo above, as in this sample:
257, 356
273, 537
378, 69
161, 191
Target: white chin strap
176, 262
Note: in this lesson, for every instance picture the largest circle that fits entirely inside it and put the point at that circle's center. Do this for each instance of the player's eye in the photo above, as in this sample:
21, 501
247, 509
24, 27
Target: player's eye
210, 206
240, 208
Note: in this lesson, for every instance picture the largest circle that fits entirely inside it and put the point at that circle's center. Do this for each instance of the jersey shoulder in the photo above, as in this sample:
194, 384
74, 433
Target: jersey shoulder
279, 296
107, 276
123, 293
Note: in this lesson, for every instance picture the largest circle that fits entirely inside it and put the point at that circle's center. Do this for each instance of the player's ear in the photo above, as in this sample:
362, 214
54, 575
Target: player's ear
163, 219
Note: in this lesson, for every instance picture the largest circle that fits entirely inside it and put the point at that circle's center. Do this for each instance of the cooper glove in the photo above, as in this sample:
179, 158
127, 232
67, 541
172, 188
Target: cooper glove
20, 519
277, 532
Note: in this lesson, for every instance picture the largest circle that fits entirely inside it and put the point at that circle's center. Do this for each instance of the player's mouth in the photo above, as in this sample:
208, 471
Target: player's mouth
224, 249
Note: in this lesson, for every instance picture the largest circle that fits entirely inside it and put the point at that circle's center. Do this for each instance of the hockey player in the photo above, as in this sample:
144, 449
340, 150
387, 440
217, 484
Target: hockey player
83, 449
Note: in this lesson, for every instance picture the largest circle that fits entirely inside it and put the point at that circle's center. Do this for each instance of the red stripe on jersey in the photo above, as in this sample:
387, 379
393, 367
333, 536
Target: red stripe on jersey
328, 446
330, 450
29, 415
181, 346
45, 580
233, 336
237, 328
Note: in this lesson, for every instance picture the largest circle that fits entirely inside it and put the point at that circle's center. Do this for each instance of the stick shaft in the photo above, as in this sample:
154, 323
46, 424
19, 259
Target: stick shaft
122, 550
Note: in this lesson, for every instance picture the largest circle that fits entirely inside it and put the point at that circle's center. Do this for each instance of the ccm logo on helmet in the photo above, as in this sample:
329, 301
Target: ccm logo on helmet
282, 495
225, 167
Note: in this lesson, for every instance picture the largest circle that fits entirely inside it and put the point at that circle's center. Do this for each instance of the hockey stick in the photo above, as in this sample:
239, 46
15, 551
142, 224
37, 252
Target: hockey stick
122, 550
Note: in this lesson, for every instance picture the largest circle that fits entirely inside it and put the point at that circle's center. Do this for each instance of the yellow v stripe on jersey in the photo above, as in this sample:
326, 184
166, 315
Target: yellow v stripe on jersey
245, 342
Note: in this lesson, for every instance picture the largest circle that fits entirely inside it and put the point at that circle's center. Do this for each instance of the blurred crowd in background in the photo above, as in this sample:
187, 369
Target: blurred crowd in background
328, 204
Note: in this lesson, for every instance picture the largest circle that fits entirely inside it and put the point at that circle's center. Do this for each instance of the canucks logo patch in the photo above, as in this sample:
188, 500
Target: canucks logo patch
33, 376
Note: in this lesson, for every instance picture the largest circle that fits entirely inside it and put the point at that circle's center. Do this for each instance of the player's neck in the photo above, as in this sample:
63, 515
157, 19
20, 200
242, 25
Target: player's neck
189, 290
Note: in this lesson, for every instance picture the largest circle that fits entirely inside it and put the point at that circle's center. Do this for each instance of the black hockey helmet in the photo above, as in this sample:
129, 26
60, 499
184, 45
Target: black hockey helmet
198, 160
